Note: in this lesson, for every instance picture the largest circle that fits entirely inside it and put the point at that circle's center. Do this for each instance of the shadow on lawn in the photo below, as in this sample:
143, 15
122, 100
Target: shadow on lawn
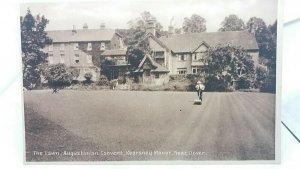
43, 135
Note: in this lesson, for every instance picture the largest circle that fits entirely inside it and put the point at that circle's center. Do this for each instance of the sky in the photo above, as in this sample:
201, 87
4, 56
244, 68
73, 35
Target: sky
116, 13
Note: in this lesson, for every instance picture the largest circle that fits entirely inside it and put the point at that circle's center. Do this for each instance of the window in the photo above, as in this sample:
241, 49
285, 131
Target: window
147, 72
102, 47
76, 58
89, 58
62, 47
156, 75
76, 46
159, 54
181, 71
50, 59
89, 47
62, 58
195, 70
198, 57
182, 57
50, 47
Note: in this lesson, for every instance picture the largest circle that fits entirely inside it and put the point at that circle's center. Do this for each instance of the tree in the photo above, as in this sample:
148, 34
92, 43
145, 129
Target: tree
195, 24
232, 23
58, 76
227, 63
33, 40
137, 28
135, 55
106, 69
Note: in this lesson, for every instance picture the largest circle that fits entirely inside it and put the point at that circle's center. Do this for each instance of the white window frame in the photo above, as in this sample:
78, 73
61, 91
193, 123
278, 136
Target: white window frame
50, 47
102, 46
89, 58
76, 46
89, 46
62, 47
197, 70
181, 71
182, 57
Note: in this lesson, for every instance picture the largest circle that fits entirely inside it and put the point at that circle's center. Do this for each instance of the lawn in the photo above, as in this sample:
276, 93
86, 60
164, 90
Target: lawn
227, 126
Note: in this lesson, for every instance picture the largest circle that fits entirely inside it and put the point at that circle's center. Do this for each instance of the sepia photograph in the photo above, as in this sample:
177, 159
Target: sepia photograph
149, 80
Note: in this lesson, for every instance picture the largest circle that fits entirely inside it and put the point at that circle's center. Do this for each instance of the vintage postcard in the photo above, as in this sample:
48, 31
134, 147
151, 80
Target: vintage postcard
150, 81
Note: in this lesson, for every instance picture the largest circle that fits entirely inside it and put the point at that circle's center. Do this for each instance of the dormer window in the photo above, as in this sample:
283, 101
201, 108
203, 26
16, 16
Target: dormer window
181, 57
76, 46
50, 48
89, 47
102, 47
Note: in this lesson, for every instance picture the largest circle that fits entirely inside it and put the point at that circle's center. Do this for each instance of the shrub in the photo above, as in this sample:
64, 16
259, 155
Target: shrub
58, 76
75, 73
269, 84
103, 81
243, 83
121, 80
113, 83
213, 83
88, 76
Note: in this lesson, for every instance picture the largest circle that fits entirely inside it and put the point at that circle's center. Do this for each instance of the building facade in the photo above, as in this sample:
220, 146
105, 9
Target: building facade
82, 48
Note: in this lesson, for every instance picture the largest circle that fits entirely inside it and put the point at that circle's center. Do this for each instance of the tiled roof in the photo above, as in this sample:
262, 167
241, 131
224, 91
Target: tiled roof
188, 42
157, 67
81, 35
114, 52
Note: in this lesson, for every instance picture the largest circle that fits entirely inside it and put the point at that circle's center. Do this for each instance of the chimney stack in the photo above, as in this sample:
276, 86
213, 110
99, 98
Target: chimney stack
151, 25
74, 30
102, 26
85, 26
171, 30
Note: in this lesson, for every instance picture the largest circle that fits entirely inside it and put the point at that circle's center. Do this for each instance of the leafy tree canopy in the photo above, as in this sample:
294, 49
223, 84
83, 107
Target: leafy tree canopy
106, 69
137, 28
58, 76
232, 23
195, 24
33, 40
229, 63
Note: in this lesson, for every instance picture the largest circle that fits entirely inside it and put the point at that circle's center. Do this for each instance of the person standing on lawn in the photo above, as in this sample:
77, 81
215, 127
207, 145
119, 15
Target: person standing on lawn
199, 88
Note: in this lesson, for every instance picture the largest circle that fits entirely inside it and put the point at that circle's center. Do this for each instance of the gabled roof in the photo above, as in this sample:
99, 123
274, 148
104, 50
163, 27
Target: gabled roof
202, 43
155, 46
81, 35
114, 52
180, 43
157, 67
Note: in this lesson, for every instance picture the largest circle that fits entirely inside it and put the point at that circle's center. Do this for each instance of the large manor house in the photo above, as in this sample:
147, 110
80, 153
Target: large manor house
173, 54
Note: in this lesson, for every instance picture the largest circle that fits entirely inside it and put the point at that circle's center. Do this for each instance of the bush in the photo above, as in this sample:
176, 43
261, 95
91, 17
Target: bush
113, 83
88, 76
269, 84
121, 80
243, 83
75, 73
103, 81
58, 76
213, 83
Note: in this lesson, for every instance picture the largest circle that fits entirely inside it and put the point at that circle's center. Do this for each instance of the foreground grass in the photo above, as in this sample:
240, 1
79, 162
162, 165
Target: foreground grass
228, 126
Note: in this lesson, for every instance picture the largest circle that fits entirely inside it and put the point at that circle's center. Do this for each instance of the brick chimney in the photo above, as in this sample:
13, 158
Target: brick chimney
74, 30
102, 26
85, 26
151, 25
171, 30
